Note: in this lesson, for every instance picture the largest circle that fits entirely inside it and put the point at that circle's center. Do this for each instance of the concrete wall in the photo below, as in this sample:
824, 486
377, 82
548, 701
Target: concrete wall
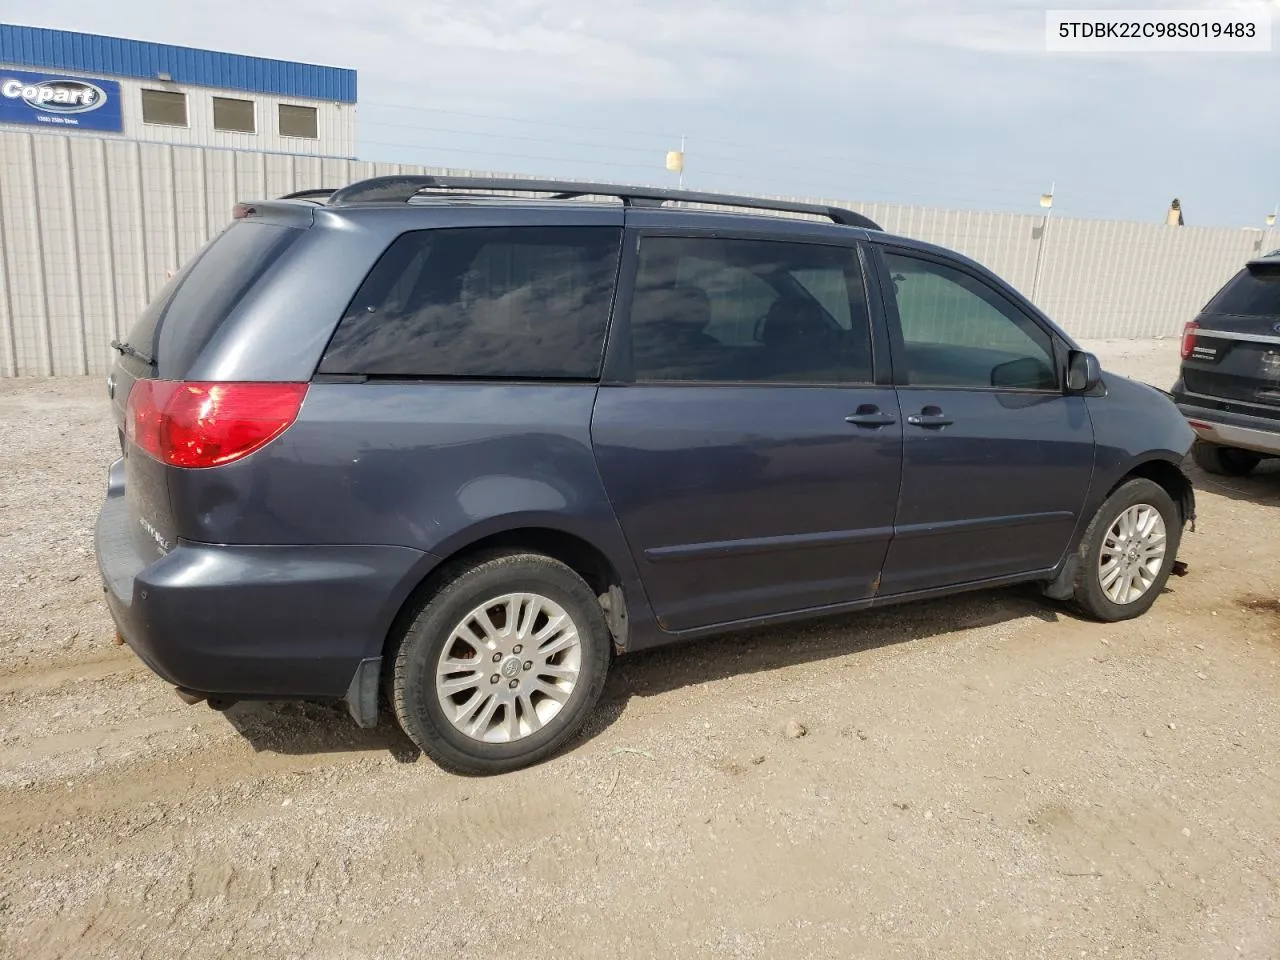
90, 226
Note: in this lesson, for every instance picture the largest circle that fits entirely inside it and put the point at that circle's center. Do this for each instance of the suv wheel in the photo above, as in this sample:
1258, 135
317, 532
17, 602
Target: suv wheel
502, 665
1227, 461
1127, 552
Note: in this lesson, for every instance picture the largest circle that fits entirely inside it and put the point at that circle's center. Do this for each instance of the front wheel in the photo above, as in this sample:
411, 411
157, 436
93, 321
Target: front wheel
1127, 552
502, 665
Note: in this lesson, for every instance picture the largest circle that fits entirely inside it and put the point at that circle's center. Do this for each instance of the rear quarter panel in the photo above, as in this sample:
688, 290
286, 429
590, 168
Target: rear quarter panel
433, 466
280, 328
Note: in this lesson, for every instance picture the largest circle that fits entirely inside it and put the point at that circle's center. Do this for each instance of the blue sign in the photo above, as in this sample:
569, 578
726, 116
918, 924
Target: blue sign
50, 100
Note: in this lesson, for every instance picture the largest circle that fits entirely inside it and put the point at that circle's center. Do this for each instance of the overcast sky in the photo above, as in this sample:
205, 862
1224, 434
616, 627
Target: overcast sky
944, 103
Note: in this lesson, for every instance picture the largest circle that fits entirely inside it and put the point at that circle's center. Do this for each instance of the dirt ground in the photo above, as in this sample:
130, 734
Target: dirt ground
982, 777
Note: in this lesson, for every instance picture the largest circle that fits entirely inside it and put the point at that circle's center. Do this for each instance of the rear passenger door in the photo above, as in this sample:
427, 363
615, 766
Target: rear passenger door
996, 458
751, 456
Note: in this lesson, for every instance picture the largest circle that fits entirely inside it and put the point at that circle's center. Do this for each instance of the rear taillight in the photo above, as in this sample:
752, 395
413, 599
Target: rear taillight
1189, 338
187, 424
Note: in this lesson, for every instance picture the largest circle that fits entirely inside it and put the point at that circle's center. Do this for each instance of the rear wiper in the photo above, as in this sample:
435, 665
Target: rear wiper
131, 351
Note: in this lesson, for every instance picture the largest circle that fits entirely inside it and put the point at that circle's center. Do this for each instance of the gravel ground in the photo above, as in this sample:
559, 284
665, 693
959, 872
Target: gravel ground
980, 777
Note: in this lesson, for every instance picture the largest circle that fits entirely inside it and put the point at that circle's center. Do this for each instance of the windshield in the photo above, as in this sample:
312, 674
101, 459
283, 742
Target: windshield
1251, 293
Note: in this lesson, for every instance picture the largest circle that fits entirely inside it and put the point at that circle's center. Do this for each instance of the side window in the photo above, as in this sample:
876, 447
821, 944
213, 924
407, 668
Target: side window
725, 310
961, 333
500, 302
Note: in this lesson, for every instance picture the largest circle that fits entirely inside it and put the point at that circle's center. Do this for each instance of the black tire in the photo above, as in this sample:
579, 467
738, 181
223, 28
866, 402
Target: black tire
1225, 461
413, 673
1089, 597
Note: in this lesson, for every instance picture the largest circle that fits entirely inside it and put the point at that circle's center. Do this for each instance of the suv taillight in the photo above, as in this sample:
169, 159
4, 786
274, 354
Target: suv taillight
1189, 338
186, 424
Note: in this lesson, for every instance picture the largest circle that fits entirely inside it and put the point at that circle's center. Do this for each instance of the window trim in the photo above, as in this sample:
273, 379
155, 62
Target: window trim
618, 369
186, 108
898, 344
253, 114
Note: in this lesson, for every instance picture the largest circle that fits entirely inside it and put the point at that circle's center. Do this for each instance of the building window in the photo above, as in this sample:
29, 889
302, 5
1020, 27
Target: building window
164, 107
298, 122
233, 115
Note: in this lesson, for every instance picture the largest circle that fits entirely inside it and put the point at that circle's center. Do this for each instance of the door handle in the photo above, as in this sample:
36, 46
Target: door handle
869, 415
930, 417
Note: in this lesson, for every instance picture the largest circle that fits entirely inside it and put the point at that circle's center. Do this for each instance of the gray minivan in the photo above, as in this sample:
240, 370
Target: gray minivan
415, 443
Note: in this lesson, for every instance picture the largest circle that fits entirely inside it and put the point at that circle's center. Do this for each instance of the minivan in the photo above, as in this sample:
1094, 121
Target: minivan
448, 445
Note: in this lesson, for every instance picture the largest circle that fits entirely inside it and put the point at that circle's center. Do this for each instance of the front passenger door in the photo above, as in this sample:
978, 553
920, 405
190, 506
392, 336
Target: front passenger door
996, 459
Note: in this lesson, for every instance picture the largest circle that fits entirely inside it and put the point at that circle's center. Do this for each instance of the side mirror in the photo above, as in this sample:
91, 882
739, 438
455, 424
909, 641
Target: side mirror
1084, 373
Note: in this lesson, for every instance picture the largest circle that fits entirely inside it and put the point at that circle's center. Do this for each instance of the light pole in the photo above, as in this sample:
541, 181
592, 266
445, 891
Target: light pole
675, 161
1046, 201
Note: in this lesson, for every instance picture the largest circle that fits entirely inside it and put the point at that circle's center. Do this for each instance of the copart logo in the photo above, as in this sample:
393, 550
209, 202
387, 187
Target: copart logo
55, 96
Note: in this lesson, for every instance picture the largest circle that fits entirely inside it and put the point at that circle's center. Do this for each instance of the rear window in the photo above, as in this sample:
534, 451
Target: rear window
184, 315
1254, 292
482, 302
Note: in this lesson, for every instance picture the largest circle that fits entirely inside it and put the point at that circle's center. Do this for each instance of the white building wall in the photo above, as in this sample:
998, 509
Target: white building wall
90, 226
335, 122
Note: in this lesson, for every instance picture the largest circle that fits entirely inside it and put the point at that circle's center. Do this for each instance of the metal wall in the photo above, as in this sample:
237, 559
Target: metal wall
89, 227
335, 122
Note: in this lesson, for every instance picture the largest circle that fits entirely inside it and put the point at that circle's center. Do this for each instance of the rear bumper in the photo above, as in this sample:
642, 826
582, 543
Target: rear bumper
1231, 429
251, 621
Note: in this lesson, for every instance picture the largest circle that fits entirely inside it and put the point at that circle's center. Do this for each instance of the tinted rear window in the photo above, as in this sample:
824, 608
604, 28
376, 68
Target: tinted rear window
1251, 293
485, 302
183, 316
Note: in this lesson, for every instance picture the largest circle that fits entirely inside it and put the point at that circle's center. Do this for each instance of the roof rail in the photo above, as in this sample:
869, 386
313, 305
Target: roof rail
402, 188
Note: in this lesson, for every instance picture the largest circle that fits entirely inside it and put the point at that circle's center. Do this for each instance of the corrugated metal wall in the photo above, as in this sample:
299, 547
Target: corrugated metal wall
90, 227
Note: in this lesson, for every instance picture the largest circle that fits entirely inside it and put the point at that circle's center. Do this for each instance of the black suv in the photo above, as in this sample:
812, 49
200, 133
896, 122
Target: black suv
1229, 387
415, 443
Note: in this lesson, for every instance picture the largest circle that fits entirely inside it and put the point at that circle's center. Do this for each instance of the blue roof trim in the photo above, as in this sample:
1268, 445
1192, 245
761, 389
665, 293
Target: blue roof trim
115, 57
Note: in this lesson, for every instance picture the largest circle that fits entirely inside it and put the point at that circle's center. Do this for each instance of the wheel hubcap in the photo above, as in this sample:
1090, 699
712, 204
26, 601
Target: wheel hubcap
1132, 554
508, 667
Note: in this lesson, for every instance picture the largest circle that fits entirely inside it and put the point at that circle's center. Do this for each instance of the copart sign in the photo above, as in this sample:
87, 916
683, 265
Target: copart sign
49, 100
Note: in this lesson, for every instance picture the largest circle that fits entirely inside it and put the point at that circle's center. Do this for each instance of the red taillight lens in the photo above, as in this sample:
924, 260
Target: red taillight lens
1189, 338
207, 424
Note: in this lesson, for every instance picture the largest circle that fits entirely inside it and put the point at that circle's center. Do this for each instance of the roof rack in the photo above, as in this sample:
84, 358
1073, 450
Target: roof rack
402, 188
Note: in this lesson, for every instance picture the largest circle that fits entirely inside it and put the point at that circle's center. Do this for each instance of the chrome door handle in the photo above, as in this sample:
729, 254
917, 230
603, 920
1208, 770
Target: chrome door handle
930, 417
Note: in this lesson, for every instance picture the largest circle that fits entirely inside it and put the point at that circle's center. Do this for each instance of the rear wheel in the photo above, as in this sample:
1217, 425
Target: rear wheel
502, 665
1226, 461
1127, 552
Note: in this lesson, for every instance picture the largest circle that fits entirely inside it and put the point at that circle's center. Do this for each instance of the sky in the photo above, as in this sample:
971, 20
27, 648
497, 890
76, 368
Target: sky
950, 103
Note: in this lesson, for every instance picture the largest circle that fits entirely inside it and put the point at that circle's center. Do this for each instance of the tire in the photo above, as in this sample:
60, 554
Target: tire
524, 724
1225, 461
1091, 597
